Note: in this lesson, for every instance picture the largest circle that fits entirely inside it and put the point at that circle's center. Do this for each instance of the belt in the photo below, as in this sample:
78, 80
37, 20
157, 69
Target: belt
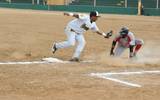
72, 30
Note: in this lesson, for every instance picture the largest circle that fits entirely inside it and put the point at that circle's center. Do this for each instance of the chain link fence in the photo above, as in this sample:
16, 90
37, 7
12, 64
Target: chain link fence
118, 3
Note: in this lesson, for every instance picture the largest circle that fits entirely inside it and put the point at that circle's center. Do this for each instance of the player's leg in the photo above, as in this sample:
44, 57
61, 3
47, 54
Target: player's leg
138, 45
81, 44
69, 42
119, 50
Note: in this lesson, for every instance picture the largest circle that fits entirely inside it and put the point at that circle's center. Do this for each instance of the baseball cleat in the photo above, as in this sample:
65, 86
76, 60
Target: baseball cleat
134, 54
54, 49
75, 59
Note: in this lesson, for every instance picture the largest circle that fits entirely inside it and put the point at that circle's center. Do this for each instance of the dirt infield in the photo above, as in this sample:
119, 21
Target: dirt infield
27, 35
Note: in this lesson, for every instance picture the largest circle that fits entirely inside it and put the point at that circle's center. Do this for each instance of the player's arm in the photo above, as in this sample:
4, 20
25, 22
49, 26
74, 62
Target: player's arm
106, 35
131, 45
112, 47
131, 49
71, 14
95, 29
114, 42
100, 33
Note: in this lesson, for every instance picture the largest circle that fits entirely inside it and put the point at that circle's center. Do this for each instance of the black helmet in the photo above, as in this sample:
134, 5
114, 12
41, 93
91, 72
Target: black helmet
94, 13
124, 31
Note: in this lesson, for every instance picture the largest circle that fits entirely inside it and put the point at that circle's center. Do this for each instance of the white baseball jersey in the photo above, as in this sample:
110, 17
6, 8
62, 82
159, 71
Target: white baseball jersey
82, 24
125, 42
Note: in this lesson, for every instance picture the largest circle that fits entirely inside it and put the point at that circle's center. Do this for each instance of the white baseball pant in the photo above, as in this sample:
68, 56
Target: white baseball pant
72, 38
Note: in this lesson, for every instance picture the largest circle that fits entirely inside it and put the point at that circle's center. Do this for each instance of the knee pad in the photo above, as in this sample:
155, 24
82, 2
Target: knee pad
139, 42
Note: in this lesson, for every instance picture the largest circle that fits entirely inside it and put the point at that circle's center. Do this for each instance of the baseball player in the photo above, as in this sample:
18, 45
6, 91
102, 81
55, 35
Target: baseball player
74, 31
125, 39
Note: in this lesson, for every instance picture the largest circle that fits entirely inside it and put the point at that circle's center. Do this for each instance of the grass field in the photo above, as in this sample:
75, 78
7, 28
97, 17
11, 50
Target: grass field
27, 35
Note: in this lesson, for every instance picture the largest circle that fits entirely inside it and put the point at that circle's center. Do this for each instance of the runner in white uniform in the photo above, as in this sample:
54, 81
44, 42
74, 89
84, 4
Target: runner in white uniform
125, 39
74, 31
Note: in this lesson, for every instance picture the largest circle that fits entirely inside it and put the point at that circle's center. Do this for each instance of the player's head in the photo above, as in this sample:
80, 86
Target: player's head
94, 15
124, 31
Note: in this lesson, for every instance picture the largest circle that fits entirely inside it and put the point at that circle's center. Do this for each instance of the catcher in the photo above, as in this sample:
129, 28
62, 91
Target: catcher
125, 39
74, 32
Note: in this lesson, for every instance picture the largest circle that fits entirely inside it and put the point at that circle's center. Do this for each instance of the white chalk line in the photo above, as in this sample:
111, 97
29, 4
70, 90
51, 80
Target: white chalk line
108, 76
43, 61
120, 81
130, 73
116, 80
48, 60
23, 63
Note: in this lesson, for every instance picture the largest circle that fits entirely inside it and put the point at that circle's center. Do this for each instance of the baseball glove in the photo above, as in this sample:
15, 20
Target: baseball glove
108, 34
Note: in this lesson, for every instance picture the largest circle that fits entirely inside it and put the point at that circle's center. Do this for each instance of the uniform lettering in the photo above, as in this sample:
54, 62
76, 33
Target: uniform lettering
84, 27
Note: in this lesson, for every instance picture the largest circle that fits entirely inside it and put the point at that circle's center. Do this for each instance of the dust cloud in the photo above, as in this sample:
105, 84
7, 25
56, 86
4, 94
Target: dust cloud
148, 55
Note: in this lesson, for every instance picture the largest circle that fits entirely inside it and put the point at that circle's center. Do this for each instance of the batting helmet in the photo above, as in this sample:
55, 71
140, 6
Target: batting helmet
124, 30
94, 13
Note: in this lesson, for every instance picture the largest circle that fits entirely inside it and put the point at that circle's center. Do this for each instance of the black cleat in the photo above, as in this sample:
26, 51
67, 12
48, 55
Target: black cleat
54, 49
74, 59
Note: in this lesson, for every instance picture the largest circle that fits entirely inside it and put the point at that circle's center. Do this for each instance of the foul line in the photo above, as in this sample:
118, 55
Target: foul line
108, 76
23, 63
131, 73
120, 81
43, 61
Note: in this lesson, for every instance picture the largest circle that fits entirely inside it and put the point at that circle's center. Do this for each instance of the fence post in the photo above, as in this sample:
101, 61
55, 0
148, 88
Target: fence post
126, 3
32, 2
139, 7
65, 2
95, 3
38, 2
157, 4
10, 1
